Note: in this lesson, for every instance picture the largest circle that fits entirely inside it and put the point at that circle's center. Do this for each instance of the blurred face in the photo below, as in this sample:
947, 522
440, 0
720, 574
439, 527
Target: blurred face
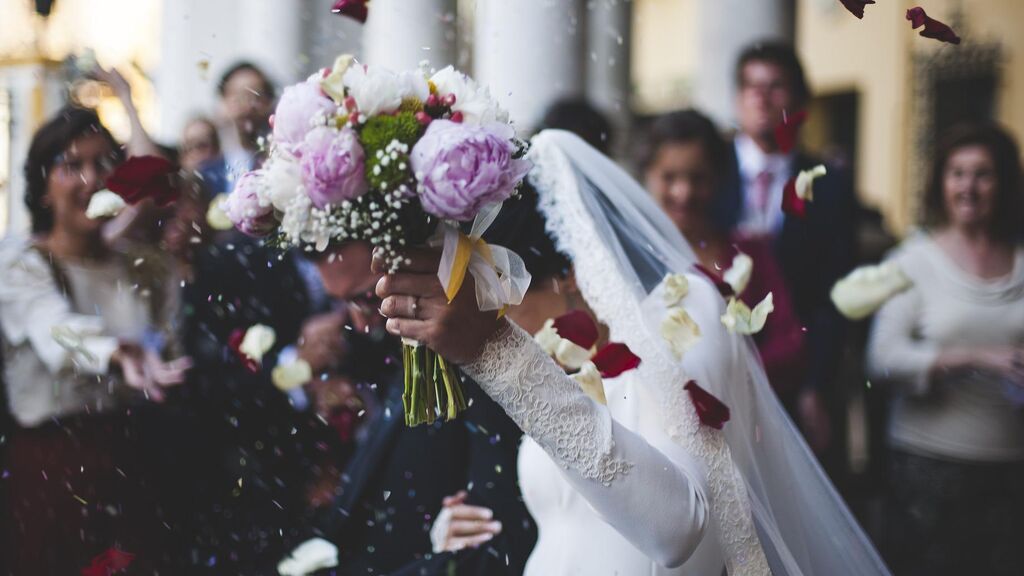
246, 102
969, 187
345, 271
198, 145
764, 93
78, 173
681, 181
181, 227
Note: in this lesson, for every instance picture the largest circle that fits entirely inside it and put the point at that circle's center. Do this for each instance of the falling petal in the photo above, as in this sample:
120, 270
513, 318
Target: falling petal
354, 9
856, 7
711, 411
932, 28
786, 131
614, 359
578, 327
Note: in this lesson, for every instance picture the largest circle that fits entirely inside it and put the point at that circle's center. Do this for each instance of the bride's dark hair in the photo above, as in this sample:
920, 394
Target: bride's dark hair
520, 227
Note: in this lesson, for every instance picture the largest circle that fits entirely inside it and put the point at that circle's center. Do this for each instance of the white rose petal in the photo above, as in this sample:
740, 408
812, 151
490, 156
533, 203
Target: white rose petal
864, 290
257, 341
333, 85
282, 182
474, 101
548, 338
288, 376
738, 274
73, 341
571, 355
740, 319
676, 287
680, 331
216, 217
105, 204
589, 379
310, 556
805, 182
380, 91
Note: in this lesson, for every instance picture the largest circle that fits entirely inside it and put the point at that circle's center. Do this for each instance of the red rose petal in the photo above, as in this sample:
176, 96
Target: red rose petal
110, 561
577, 327
234, 342
614, 359
856, 7
787, 130
723, 287
711, 411
791, 203
354, 9
142, 177
932, 28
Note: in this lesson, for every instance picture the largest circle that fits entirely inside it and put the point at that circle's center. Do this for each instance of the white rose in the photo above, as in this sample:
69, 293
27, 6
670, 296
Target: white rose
676, 287
257, 341
310, 556
297, 217
474, 101
740, 319
282, 181
334, 84
548, 338
805, 182
288, 376
380, 91
738, 274
571, 355
680, 331
589, 379
864, 290
216, 217
104, 204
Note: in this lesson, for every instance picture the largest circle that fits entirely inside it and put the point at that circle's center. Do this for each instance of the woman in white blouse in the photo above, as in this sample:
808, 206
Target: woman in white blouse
74, 315
952, 346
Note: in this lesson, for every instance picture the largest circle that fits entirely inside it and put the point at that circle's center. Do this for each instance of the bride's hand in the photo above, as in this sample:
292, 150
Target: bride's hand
416, 307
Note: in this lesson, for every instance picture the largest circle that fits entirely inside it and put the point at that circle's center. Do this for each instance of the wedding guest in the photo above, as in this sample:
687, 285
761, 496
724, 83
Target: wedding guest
75, 316
200, 143
579, 116
395, 484
952, 348
814, 251
247, 101
684, 163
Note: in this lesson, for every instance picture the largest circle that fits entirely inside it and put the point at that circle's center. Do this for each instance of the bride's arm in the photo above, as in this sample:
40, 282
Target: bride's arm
656, 503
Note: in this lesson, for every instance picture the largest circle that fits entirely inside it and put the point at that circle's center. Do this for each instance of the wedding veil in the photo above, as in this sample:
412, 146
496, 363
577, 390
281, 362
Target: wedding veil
622, 246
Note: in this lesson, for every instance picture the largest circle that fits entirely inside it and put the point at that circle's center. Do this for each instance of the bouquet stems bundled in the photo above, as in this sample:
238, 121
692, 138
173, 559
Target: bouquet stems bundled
432, 386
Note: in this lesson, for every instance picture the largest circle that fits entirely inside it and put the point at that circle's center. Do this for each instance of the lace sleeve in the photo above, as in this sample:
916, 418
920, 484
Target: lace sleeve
653, 501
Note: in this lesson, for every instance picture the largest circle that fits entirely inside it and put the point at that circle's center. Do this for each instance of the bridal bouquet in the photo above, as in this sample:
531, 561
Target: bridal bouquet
395, 159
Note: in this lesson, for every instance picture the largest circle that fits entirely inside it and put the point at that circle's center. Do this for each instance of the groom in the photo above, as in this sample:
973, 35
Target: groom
392, 490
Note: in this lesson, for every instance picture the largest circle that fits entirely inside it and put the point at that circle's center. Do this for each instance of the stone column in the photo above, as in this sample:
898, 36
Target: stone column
609, 23
530, 53
399, 34
726, 27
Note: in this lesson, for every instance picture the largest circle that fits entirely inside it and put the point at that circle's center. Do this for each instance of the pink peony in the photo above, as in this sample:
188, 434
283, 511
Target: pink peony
299, 105
244, 209
332, 163
462, 167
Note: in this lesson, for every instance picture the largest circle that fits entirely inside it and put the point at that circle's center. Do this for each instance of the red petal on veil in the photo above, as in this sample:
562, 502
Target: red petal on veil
614, 359
787, 130
577, 327
354, 9
932, 28
710, 410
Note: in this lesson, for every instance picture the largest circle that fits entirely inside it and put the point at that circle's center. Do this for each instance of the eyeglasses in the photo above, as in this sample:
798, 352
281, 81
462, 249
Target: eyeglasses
73, 167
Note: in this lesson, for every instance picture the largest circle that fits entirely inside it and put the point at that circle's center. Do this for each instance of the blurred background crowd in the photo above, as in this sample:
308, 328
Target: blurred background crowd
157, 437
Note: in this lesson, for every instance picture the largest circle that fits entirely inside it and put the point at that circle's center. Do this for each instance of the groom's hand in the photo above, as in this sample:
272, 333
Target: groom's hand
461, 525
416, 307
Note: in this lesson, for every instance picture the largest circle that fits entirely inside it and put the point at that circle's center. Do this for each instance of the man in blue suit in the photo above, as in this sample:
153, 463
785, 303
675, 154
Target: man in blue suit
813, 251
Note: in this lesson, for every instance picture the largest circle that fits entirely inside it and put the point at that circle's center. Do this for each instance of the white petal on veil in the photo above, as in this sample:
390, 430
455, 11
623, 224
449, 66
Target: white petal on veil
759, 467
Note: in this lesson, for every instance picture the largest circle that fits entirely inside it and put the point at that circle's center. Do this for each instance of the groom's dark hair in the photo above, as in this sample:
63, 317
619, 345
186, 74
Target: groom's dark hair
521, 227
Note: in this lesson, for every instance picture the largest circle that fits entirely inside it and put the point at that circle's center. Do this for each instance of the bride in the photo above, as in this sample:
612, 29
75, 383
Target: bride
637, 485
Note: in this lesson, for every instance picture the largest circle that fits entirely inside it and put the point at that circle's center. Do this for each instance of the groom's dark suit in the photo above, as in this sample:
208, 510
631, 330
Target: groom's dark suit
392, 489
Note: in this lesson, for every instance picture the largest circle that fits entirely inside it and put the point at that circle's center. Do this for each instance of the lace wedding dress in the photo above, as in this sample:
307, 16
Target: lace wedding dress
640, 486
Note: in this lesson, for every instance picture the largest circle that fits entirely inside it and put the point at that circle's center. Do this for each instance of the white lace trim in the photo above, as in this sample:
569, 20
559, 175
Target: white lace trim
608, 294
547, 404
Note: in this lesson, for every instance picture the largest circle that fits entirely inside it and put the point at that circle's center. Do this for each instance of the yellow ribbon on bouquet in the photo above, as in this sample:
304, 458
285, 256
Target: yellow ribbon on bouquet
500, 274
